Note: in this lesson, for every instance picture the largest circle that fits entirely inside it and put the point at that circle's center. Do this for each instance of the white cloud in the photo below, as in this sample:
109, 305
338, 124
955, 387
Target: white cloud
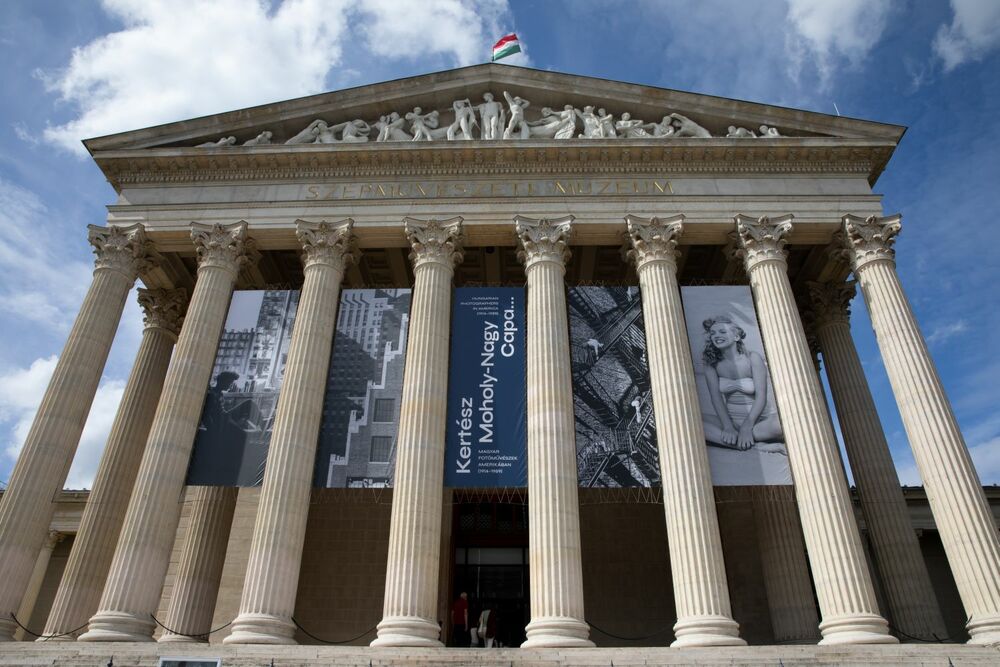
974, 32
185, 58
22, 132
986, 459
825, 32
466, 30
95, 435
941, 333
40, 285
21, 392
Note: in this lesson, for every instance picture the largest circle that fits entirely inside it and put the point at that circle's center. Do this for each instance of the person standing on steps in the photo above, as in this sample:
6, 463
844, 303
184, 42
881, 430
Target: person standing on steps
487, 626
460, 621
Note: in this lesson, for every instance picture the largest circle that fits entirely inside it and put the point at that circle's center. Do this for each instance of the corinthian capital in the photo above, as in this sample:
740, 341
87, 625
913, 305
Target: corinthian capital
53, 539
760, 240
830, 303
653, 240
163, 308
331, 244
543, 240
434, 241
870, 239
222, 246
122, 249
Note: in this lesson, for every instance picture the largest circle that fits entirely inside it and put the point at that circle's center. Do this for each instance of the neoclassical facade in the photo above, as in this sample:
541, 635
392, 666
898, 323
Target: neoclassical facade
543, 190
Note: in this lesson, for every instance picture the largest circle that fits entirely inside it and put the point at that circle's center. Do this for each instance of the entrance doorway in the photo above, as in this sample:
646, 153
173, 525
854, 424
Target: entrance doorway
491, 564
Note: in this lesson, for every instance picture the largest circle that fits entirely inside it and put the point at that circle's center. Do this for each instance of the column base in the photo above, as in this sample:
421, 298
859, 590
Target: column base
707, 631
985, 631
261, 629
407, 631
557, 632
171, 638
61, 638
118, 626
856, 629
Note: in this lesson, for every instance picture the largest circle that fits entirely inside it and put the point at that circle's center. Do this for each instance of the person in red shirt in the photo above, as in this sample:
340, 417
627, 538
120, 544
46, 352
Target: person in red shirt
460, 621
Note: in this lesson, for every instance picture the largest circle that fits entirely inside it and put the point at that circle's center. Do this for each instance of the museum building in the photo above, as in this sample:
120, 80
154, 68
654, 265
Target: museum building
549, 340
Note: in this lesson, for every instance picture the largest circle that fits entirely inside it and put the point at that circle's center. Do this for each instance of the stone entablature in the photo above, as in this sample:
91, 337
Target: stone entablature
798, 155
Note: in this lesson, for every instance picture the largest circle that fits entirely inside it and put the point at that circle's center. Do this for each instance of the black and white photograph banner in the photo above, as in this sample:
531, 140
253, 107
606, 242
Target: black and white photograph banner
615, 439
357, 441
745, 443
230, 448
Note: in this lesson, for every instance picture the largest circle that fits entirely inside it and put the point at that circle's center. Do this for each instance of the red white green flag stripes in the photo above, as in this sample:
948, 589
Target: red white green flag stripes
507, 46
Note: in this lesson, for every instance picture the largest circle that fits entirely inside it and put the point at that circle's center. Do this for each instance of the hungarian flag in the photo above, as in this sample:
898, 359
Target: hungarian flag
507, 46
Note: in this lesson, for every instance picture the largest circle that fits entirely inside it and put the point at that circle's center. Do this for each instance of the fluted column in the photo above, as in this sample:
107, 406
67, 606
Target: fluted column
556, 571
192, 601
409, 615
912, 602
131, 593
279, 534
784, 566
87, 568
955, 494
843, 585
28, 502
34, 587
701, 593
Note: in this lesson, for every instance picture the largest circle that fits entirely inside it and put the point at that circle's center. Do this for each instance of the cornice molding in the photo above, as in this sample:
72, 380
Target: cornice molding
313, 162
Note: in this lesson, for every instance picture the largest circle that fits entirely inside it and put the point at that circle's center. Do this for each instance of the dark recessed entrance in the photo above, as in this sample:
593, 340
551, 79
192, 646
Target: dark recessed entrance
491, 562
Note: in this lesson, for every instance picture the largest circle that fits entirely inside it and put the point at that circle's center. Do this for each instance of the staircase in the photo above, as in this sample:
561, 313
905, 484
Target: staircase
81, 654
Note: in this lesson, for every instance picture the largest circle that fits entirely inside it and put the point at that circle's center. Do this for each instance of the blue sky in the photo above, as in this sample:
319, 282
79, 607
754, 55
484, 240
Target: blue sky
73, 70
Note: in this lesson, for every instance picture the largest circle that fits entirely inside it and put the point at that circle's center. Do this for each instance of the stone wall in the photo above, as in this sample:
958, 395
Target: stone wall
343, 564
944, 585
626, 570
743, 569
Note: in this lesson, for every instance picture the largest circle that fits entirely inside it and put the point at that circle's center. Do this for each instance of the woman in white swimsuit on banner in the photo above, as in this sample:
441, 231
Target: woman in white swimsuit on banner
737, 385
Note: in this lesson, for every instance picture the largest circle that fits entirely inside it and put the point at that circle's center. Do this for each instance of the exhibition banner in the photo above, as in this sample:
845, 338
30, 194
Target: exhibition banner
487, 389
357, 440
612, 401
746, 445
230, 448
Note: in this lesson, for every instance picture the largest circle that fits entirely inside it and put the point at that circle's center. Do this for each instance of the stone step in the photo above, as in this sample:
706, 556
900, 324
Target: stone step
29, 654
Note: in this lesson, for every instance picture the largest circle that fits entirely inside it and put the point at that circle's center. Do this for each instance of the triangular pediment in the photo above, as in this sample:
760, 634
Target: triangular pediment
358, 114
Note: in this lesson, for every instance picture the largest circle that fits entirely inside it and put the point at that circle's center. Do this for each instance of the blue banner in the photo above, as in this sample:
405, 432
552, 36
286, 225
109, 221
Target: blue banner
487, 390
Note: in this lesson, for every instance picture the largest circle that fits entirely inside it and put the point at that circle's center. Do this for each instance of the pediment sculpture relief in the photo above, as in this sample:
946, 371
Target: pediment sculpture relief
489, 120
